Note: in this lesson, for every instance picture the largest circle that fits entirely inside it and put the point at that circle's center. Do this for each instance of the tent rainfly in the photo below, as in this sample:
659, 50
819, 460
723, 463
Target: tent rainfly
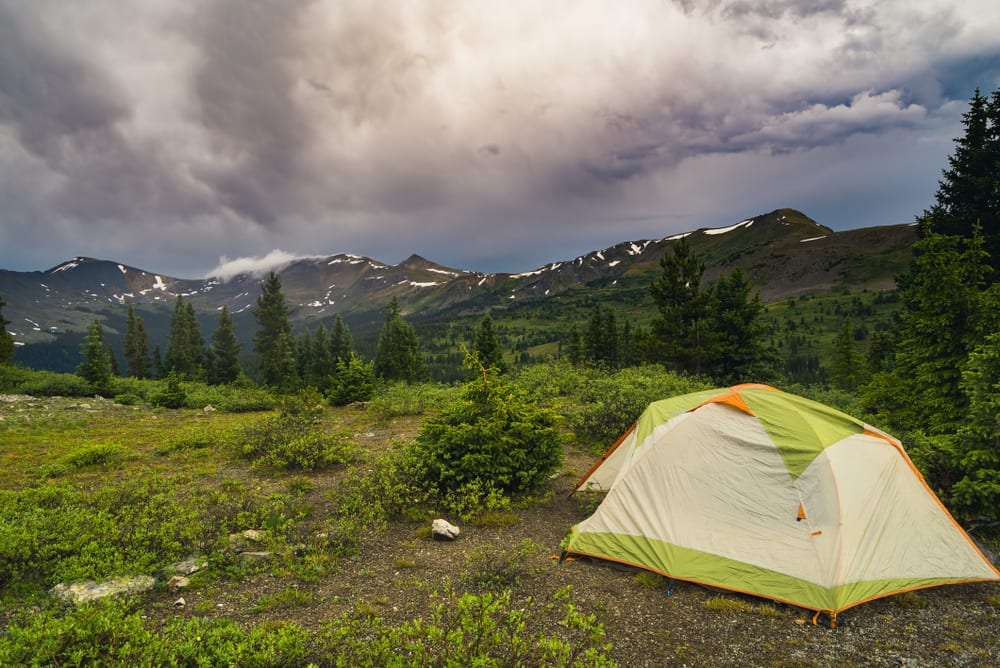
763, 492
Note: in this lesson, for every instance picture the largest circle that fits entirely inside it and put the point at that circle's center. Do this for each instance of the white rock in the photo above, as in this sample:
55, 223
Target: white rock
82, 591
444, 530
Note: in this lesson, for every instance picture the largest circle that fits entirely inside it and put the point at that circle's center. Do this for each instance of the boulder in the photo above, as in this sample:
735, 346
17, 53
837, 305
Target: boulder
188, 566
444, 530
82, 591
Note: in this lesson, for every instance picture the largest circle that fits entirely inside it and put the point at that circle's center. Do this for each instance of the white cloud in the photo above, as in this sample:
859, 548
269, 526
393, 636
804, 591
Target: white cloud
275, 261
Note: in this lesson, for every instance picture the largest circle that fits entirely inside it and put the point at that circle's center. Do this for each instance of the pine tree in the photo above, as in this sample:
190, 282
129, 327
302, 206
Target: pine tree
977, 493
136, 346
273, 339
574, 347
113, 358
398, 355
139, 367
681, 339
735, 321
969, 193
6, 340
487, 346
96, 365
129, 344
157, 369
225, 351
611, 343
341, 345
936, 332
304, 356
593, 337
322, 363
846, 368
185, 345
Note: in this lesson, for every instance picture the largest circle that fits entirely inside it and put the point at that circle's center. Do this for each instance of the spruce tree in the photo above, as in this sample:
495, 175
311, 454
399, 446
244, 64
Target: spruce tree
140, 365
225, 350
939, 298
341, 344
969, 192
846, 368
322, 364
96, 365
6, 340
273, 340
681, 339
185, 345
487, 346
129, 343
574, 347
735, 321
398, 355
136, 346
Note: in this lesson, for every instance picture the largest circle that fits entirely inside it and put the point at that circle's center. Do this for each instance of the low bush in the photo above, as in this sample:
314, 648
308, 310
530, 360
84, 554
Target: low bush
487, 631
469, 630
49, 384
491, 438
107, 455
610, 402
401, 399
293, 439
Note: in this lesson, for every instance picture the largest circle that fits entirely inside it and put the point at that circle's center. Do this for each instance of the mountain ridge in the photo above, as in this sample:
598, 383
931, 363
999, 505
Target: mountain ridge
784, 253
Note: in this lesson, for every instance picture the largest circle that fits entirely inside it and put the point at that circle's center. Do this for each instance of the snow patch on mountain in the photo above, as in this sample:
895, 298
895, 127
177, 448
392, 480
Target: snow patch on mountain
723, 230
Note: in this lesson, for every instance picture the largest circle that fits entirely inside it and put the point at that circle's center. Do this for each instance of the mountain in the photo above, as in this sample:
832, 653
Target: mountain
784, 253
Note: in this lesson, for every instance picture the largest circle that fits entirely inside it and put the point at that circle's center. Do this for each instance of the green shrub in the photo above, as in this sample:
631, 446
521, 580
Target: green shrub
353, 381
171, 396
294, 440
488, 631
610, 402
127, 399
402, 399
109, 633
49, 384
109, 454
141, 388
492, 437
495, 568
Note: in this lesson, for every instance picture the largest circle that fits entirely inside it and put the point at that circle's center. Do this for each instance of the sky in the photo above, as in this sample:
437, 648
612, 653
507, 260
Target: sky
194, 138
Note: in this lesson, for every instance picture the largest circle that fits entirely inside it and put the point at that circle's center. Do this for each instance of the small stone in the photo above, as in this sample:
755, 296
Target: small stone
178, 582
259, 556
444, 530
208, 409
180, 603
188, 566
254, 535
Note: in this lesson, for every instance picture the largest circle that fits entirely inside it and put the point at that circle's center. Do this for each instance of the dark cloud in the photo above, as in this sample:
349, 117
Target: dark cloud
463, 131
245, 93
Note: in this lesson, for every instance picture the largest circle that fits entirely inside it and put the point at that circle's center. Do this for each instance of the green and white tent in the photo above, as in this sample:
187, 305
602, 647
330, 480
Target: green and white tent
763, 492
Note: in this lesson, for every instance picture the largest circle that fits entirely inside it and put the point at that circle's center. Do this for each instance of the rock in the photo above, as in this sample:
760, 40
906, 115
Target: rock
180, 603
208, 409
89, 590
256, 556
178, 582
189, 566
244, 541
444, 530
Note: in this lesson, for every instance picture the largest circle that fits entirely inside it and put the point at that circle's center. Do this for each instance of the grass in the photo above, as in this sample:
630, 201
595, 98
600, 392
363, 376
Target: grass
734, 604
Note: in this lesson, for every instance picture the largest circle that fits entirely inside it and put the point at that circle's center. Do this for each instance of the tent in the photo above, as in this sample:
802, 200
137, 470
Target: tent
763, 492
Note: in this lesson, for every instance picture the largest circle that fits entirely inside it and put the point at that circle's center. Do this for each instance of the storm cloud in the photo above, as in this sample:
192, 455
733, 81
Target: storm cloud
489, 136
